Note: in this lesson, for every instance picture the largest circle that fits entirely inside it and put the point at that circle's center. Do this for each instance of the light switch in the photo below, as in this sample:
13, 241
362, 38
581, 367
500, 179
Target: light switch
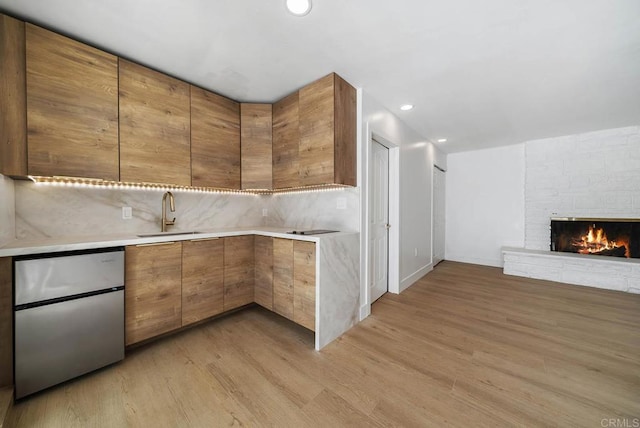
127, 213
265, 212
341, 203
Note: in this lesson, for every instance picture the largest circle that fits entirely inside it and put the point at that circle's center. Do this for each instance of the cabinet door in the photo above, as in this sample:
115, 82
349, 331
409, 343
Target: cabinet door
238, 271
153, 297
286, 138
317, 132
283, 277
304, 284
155, 144
13, 98
72, 107
345, 139
255, 144
202, 279
327, 114
215, 140
264, 271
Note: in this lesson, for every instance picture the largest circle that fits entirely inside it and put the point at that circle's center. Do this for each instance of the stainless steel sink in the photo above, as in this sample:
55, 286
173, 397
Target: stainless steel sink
158, 234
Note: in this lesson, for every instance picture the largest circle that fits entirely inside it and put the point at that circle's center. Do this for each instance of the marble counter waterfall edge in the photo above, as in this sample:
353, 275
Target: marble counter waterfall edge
338, 286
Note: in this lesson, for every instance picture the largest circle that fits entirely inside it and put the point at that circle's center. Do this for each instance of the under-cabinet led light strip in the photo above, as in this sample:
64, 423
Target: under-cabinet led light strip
78, 182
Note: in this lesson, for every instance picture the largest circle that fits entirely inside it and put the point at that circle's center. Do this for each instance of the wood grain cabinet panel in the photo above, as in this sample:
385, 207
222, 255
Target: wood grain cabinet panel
6, 321
283, 277
215, 140
72, 107
239, 271
202, 279
255, 143
155, 143
264, 271
13, 98
304, 284
286, 138
153, 295
327, 126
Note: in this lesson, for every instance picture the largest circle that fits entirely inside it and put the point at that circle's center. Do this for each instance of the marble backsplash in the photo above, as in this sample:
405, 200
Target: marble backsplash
316, 210
49, 211
7, 210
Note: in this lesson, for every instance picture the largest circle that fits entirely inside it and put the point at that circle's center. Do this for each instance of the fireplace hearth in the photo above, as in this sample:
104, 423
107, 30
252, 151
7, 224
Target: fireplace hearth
603, 237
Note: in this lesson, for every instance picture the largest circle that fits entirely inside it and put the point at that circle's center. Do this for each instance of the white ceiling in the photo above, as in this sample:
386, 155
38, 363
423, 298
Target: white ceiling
480, 73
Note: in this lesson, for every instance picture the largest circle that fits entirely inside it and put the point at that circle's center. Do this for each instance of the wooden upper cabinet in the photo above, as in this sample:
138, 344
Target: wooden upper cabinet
215, 140
327, 126
264, 271
154, 127
239, 271
202, 279
72, 107
286, 137
153, 291
13, 98
255, 142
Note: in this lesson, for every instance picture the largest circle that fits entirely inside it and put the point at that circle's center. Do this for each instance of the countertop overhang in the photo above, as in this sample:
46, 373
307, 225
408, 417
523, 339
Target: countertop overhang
20, 247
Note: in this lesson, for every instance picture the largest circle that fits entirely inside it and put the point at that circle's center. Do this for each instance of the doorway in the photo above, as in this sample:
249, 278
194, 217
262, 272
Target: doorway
379, 221
439, 213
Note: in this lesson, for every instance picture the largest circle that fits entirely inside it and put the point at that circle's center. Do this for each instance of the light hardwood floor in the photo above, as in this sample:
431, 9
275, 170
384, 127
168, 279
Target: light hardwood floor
465, 346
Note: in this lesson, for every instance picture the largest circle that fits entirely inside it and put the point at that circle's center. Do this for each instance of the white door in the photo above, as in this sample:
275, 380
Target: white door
379, 227
438, 214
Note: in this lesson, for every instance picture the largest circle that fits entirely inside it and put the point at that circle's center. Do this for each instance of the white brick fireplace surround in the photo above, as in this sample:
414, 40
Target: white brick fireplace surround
592, 175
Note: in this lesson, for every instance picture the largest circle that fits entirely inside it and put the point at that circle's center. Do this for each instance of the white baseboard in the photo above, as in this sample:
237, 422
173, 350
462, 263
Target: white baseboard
475, 260
365, 311
411, 279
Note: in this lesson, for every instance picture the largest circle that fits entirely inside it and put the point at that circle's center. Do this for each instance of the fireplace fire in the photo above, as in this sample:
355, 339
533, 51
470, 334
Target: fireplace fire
603, 237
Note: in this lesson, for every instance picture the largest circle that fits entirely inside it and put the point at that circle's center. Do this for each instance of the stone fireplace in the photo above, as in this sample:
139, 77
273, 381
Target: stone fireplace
583, 192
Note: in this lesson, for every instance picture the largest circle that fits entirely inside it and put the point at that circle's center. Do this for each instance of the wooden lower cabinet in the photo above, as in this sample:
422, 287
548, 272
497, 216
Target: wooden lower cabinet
304, 284
173, 284
283, 277
239, 271
153, 296
294, 281
202, 279
263, 294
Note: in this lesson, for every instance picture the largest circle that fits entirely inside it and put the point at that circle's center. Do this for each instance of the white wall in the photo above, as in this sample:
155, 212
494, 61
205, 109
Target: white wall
484, 204
7, 210
415, 182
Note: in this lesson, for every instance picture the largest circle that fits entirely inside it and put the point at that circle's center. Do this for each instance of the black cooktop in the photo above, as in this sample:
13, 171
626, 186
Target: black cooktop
311, 232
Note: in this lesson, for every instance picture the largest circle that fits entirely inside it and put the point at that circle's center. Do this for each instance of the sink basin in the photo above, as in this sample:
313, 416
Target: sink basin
154, 235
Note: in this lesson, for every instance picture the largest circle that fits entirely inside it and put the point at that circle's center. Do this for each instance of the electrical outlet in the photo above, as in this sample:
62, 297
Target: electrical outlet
341, 203
127, 213
415, 252
265, 212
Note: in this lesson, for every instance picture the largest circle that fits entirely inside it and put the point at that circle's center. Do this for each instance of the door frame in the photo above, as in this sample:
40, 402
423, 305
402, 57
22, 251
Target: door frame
394, 215
433, 209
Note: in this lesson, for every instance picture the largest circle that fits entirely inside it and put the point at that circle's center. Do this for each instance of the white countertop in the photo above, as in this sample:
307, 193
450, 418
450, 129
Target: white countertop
20, 247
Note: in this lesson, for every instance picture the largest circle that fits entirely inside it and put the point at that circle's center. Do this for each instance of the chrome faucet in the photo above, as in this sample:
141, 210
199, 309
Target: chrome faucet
172, 207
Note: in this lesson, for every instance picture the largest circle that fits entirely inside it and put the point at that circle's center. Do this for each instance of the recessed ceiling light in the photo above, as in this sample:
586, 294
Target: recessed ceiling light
442, 140
406, 107
299, 7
